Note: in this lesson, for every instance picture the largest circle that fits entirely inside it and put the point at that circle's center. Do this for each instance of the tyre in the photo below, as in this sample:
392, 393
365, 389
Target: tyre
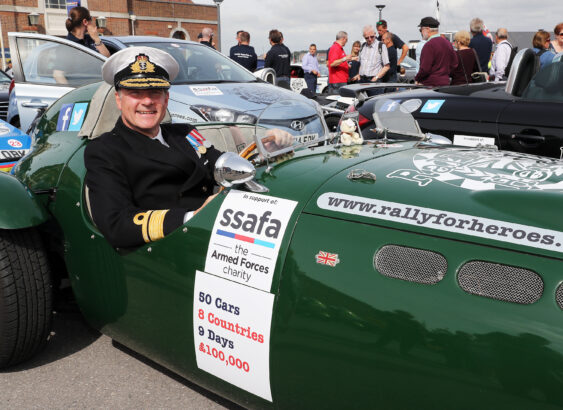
25, 296
332, 122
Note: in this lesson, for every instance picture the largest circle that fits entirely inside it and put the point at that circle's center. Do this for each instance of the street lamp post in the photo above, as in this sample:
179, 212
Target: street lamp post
2, 55
218, 4
380, 7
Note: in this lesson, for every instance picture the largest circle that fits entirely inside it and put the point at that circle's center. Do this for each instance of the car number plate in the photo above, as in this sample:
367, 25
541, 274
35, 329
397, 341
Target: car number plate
473, 141
300, 139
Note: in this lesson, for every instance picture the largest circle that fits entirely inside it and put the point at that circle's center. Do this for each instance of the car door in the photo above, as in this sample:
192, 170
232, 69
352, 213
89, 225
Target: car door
534, 123
47, 67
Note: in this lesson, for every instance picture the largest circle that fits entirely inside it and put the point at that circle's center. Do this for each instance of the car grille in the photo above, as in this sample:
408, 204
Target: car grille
410, 264
3, 110
341, 105
501, 282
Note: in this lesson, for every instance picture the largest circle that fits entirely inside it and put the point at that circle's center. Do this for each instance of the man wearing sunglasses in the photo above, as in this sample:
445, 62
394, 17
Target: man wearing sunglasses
374, 60
438, 58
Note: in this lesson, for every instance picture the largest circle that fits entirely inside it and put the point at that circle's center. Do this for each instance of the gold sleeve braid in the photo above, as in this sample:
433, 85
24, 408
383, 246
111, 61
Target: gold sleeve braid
152, 224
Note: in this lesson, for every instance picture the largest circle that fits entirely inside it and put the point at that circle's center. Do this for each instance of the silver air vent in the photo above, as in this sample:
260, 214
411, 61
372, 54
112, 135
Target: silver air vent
410, 264
501, 282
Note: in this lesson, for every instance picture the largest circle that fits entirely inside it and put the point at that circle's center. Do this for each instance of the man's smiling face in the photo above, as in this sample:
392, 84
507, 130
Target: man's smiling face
142, 110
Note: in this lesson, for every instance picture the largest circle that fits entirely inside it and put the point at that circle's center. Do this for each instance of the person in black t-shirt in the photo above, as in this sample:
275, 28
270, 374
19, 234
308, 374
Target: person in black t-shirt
354, 63
207, 37
243, 53
397, 42
278, 57
82, 30
391, 75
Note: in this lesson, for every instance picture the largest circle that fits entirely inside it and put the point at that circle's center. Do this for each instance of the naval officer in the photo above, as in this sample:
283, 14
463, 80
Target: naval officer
145, 178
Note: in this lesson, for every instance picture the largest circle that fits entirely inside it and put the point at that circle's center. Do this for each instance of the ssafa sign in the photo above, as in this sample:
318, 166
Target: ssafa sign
232, 332
246, 238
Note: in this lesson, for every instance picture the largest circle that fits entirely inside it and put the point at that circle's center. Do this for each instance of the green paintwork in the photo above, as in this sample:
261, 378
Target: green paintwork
343, 336
19, 208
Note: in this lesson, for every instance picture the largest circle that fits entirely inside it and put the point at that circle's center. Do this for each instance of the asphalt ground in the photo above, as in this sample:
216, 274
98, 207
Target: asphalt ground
81, 368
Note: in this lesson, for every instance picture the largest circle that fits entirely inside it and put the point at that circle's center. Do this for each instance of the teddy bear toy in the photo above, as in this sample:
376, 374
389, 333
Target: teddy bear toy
349, 136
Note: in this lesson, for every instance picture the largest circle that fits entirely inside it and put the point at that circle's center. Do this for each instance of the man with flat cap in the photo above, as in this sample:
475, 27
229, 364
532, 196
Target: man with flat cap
144, 178
438, 58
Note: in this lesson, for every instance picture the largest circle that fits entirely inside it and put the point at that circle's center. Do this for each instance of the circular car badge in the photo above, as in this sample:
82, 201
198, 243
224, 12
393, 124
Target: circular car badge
15, 143
297, 125
4, 130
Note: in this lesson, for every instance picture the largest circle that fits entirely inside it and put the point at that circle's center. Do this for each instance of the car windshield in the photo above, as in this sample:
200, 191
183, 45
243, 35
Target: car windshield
393, 119
323, 69
547, 84
306, 130
201, 64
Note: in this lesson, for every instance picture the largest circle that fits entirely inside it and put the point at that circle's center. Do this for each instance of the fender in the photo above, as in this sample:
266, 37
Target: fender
19, 208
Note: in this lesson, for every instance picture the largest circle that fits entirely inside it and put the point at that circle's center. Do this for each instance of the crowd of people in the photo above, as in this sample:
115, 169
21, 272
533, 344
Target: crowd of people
439, 62
471, 56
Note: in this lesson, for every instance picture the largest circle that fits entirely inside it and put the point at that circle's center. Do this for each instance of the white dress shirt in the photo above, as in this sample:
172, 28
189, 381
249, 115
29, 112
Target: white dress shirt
500, 60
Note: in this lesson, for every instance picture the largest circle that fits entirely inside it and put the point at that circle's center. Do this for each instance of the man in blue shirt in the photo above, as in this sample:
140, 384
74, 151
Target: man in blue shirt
310, 66
482, 45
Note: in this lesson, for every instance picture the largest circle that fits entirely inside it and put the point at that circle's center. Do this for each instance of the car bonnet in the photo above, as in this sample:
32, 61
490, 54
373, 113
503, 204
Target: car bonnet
501, 198
251, 98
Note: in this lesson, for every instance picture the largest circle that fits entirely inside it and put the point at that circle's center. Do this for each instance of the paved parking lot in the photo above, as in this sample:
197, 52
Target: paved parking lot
80, 368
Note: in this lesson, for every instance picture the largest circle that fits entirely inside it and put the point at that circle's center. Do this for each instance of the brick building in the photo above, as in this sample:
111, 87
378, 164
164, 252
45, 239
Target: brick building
166, 18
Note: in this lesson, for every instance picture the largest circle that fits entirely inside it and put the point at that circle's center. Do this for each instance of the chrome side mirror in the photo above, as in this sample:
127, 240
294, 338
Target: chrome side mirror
230, 169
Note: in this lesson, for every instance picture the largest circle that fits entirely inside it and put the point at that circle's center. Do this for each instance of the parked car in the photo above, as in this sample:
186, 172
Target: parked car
408, 71
393, 274
209, 88
5, 81
297, 80
14, 144
523, 114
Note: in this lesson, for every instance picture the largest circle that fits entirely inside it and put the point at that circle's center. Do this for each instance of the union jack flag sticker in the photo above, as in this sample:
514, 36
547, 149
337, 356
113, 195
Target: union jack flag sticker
326, 258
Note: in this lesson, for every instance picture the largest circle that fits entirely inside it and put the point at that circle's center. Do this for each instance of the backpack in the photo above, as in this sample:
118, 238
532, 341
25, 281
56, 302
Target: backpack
513, 51
379, 47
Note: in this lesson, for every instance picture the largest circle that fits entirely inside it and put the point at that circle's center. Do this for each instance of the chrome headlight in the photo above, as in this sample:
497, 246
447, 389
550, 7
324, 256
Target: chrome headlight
214, 114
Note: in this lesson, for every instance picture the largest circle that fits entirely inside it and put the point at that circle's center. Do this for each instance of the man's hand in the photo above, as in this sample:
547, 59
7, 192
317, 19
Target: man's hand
276, 139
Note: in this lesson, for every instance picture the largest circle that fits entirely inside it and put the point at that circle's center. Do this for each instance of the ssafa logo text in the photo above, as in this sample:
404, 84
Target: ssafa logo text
246, 238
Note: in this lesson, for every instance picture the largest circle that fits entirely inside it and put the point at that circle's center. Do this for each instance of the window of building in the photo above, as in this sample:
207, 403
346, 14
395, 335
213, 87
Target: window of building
55, 4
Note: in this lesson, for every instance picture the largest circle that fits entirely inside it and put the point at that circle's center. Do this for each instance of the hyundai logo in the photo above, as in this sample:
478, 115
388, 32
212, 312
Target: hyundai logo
297, 125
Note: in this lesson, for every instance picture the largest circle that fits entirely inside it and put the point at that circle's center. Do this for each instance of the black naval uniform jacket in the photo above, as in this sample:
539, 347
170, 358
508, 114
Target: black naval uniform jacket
139, 189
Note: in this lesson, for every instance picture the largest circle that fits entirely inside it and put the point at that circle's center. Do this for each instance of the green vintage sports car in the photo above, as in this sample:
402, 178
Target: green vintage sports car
396, 273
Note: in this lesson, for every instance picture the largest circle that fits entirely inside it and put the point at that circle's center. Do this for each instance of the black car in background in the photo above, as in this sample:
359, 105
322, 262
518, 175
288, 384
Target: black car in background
525, 114
5, 81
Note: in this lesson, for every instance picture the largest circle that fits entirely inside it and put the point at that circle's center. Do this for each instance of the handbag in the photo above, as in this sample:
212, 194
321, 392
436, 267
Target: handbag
479, 76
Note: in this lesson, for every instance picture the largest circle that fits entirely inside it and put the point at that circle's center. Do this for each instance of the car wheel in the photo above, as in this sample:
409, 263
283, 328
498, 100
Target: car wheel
332, 122
25, 296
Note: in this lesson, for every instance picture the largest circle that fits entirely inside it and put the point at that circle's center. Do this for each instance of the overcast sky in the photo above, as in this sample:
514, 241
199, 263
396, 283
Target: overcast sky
317, 21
